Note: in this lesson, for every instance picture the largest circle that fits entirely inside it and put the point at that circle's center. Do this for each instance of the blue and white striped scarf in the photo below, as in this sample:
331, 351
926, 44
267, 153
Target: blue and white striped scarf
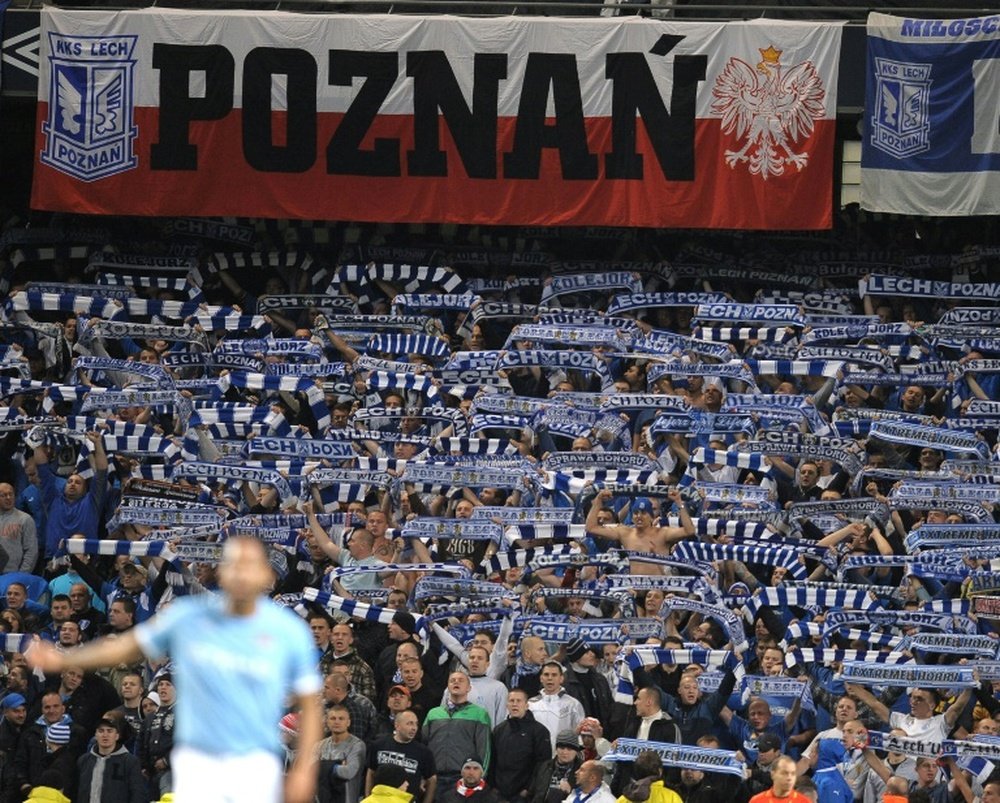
180, 284
744, 460
729, 620
813, 367
121, 294
811, 630
654, 656
465, 588
260, 259
728, 334
768, 556
807, 597
703, 759
909, 675
955, 644
153, 374
418, 383
557, 530
363, 611
33, 301
475, 446
218, 471
806, 656
405, 344
935, 437
575, 481
516, 558
135, 549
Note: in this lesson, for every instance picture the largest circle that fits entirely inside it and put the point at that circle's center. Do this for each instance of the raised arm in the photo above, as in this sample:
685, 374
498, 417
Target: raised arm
955, 710
342, 346
593, 528
863, 695
848, 531
960, 782
322, 539
687, 524
878, 765
105, 652
98, 454
793, 714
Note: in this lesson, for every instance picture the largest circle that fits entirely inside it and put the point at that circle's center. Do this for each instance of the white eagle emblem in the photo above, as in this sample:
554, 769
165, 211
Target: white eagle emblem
772, 108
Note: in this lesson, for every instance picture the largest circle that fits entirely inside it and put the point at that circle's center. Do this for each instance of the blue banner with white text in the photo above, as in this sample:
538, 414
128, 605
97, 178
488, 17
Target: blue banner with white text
932, 116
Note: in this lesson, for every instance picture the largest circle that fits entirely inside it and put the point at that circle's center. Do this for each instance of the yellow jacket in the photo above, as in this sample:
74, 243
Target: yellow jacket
387, 794
658, 793
46, 794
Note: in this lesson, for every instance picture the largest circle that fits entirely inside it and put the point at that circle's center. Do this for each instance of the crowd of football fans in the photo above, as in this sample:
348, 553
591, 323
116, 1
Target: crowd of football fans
554, 503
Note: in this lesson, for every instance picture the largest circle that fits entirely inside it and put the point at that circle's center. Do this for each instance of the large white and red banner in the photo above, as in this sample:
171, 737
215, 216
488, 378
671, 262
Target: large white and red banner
438, 119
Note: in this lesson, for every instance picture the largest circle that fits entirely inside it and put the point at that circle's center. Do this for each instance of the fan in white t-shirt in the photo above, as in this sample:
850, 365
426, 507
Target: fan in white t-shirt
921, 722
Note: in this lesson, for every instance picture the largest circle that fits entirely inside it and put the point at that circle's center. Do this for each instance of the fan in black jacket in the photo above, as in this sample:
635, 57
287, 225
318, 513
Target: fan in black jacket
519, 745
590, 687
711, 787
650, 723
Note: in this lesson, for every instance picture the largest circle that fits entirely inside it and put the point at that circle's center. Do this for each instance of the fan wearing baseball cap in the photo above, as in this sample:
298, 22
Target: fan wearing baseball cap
15, 712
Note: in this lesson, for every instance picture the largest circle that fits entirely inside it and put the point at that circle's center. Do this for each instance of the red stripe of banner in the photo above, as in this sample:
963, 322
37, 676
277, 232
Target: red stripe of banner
224, 183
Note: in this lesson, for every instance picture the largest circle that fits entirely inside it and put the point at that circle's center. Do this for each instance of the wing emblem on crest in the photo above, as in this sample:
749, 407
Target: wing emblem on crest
70, 103
108, 105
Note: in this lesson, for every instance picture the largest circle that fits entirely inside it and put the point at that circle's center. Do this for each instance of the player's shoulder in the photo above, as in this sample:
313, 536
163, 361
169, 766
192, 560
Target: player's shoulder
277, 615
190, 606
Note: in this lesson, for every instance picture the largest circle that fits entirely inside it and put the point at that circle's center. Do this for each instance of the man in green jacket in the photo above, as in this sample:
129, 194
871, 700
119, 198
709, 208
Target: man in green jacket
455, 731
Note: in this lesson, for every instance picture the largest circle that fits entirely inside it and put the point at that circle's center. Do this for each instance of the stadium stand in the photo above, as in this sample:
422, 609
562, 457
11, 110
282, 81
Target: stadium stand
700, 465
571, 513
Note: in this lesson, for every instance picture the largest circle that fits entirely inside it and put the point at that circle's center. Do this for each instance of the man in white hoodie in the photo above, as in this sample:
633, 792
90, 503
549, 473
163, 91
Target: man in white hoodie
553, 707
486, 692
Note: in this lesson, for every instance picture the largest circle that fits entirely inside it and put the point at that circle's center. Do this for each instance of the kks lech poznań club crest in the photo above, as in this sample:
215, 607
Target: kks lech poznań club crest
90, 129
